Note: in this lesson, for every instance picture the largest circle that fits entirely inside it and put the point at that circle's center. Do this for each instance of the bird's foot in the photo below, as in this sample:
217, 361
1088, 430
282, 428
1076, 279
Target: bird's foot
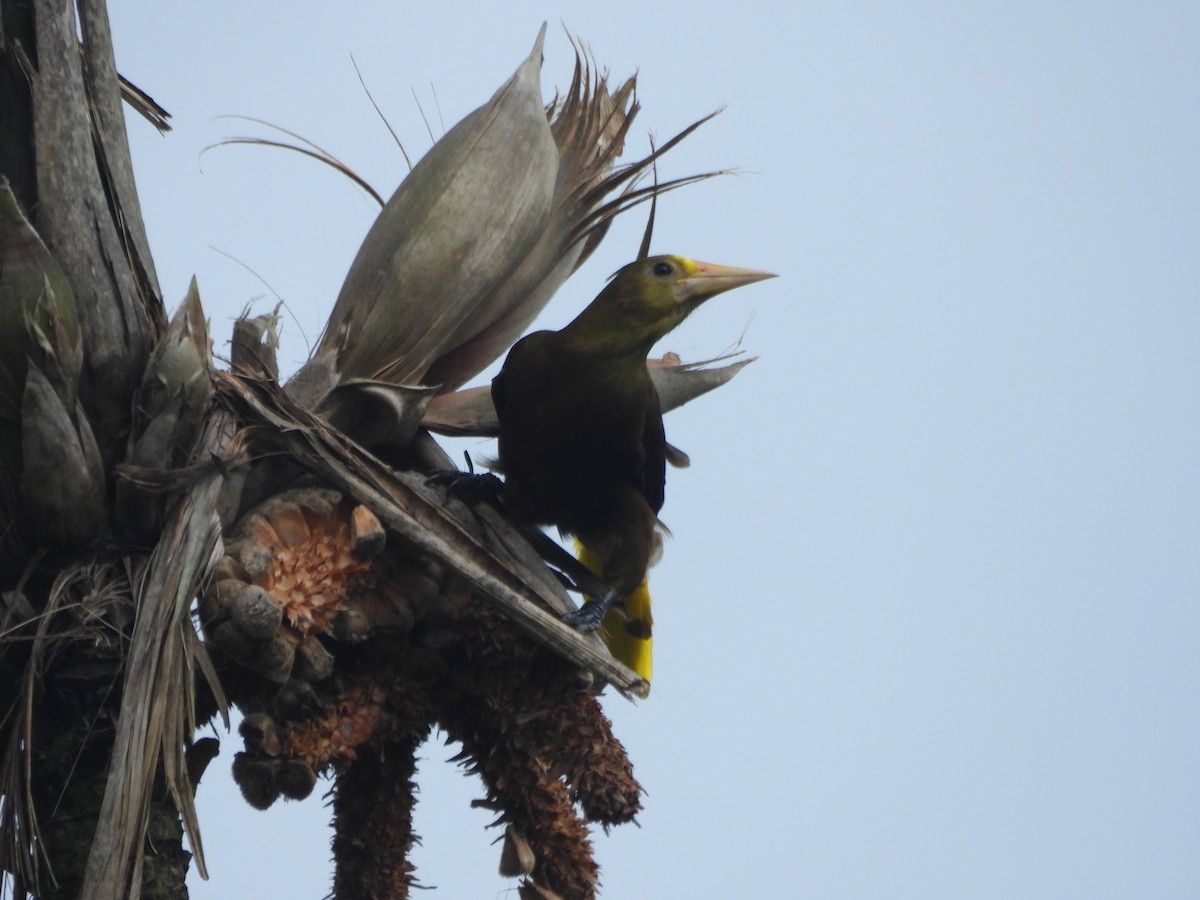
589, 616
467, 486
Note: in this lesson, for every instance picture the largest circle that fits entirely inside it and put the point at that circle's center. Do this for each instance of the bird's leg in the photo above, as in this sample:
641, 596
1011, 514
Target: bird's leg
467, 486
621, 548
574, 574
471, 487
577, 577
589, 616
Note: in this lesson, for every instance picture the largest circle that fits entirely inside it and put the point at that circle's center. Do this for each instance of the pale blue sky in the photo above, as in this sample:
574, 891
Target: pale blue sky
928, 627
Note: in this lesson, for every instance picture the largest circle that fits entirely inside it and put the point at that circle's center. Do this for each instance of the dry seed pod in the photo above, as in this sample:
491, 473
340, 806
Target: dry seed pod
386, 608
254, 611
313, 661
228, 567
516, 856
255, 559
413, 585
274, 659
288, 522
229, 638
350, 626
296, 701
260, 735
214, 602
295, 779
256, 777
367, 536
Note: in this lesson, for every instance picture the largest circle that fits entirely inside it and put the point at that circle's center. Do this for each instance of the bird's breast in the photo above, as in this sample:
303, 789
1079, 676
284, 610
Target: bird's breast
571, 436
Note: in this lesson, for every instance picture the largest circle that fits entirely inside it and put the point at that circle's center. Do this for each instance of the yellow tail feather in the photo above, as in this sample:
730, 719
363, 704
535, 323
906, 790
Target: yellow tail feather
628, 634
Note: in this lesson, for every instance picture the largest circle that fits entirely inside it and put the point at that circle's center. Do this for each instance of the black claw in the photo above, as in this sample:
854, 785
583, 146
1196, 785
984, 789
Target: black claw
566, 582
467, 486
589, 616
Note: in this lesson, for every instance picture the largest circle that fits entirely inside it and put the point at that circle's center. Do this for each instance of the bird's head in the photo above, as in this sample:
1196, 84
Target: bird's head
646, 299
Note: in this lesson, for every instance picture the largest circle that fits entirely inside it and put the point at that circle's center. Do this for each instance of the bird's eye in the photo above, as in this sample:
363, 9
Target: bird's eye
663, 269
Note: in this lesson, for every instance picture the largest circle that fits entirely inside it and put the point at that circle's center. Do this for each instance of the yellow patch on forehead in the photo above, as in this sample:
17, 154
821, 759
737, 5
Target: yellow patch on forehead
688, 266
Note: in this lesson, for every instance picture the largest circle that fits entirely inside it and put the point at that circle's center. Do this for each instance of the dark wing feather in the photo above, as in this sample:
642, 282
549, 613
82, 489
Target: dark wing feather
654, 453
498, 398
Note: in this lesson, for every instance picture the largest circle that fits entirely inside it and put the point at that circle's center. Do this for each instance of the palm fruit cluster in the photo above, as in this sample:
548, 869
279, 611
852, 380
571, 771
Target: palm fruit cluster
344, 646
305, 564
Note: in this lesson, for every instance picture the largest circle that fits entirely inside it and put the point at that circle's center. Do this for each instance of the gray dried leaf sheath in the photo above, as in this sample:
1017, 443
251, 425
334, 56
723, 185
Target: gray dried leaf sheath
454, 230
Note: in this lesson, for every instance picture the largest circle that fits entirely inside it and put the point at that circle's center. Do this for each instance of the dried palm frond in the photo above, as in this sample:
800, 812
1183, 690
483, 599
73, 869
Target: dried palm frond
62, 476
39, 330
170, 409
485, 229
470, 412
455, 228
88, 213
157, 717
589, 126
75, 627
305, 148
38, 321
144, 105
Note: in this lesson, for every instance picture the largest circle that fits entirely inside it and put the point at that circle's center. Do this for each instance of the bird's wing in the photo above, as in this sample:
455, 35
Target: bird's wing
498, 397
654, 453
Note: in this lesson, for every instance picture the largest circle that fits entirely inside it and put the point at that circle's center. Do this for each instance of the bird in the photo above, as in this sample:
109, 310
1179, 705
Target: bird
581, 441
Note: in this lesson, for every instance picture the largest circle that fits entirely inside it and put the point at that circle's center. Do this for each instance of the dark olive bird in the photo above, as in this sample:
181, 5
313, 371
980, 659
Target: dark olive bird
582, 444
